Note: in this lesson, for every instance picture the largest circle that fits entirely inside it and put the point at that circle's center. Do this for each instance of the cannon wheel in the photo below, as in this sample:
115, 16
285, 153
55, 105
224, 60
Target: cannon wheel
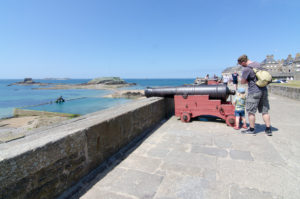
230, 120
185, 117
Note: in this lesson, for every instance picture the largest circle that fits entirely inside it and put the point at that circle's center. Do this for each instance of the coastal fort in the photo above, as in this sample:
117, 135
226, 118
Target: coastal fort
141, 150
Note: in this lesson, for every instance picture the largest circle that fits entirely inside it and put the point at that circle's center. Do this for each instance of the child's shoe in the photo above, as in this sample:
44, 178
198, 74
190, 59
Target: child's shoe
245, 126
236, 127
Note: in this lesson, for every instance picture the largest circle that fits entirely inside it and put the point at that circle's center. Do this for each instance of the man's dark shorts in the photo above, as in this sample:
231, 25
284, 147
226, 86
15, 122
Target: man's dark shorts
258, 101
234, 82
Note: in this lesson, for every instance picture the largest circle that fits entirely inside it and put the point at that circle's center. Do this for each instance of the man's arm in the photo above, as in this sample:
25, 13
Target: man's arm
245, 75
244, 81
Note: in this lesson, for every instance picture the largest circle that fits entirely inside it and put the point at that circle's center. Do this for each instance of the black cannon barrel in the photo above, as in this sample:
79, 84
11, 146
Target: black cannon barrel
218, 91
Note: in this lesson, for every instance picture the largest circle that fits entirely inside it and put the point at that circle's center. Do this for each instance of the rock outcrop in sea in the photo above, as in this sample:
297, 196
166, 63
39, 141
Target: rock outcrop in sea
108, 81
28, 81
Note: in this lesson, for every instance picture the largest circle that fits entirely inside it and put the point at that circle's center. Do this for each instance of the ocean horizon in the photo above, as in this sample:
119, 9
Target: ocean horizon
82, 101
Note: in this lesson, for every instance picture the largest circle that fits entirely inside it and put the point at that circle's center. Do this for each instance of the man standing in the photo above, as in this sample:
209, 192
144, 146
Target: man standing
235, 79
257, 96
225, 79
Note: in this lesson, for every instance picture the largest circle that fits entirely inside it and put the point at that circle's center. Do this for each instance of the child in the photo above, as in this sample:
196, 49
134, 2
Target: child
239, 103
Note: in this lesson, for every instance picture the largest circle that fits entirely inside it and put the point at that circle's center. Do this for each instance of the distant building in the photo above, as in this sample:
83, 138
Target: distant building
270, 64
296, 63
288, 65
285, 67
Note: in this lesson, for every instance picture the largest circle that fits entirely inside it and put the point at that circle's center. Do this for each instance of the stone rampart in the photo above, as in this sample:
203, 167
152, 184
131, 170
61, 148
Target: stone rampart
290, 92
45, 163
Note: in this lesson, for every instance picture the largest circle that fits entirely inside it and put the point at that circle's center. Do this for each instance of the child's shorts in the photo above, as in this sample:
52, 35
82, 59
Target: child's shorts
239, 113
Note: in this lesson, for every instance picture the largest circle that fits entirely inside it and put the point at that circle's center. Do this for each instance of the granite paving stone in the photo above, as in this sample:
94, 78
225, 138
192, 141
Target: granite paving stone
191, 159
211, 160
182, 169
222, 142
136, 184
158, 152
249, 193
175, 186
146, 164
96, 194
241, 155
210, 151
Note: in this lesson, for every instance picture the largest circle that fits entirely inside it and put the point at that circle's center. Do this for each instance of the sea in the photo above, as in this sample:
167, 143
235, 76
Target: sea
78, 101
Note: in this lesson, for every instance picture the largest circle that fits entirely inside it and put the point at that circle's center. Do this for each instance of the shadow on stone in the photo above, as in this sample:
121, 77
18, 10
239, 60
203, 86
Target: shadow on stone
207, 118
260, 128
87, 182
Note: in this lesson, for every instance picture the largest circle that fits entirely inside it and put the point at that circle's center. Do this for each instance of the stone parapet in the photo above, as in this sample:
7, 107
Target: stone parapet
290, 92
46, 163
297, 76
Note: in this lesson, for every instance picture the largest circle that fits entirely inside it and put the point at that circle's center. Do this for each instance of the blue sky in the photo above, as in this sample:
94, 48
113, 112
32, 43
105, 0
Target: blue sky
141, 38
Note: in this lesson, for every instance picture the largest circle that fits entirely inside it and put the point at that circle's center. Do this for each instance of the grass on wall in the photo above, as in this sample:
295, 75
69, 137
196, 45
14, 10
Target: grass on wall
291, 83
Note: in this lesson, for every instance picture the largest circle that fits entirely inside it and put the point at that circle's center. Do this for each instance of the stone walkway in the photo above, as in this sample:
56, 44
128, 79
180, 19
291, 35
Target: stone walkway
207, 159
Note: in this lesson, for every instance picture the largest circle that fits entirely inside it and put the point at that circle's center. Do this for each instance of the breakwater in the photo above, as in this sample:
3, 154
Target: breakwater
44, 164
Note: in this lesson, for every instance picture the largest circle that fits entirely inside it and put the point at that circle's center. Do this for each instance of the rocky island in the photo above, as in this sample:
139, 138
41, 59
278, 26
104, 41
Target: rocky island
109, 81
28, 81
104, 83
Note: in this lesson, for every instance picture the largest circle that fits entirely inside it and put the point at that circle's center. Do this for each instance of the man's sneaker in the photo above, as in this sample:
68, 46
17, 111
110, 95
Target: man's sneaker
247, 131
268, 132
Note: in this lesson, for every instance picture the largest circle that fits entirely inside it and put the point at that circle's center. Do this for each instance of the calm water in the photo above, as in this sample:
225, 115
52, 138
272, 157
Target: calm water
88, 100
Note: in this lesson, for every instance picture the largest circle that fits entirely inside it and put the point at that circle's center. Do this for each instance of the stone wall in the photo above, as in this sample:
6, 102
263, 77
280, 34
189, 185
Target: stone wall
46, 163
297, 76
290, 92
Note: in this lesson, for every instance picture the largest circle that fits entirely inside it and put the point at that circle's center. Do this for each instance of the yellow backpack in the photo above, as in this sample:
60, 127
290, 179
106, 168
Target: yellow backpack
263, 77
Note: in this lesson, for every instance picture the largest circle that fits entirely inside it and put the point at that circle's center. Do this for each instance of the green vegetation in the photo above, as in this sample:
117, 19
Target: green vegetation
292, 83
73, 115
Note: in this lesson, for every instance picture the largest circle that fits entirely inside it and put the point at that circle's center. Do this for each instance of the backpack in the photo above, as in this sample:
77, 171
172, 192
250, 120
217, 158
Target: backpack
263, 77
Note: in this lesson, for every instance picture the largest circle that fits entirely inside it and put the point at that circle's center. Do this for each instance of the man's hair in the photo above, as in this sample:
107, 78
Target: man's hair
242, 58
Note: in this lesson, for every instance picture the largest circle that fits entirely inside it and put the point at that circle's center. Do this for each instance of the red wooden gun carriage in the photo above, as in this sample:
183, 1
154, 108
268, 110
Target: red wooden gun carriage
199, 100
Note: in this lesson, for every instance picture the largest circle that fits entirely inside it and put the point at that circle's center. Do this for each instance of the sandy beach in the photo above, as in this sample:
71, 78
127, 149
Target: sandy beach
29, 122
16, 127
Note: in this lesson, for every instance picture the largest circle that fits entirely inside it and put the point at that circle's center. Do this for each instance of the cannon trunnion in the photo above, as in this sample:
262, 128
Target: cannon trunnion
194, 101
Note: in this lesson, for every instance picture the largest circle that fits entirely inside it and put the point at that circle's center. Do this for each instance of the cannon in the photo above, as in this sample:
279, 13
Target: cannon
198, 100
218, 91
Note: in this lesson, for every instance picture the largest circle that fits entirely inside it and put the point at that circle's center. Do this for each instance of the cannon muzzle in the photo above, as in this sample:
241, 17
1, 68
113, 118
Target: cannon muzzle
219, 91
